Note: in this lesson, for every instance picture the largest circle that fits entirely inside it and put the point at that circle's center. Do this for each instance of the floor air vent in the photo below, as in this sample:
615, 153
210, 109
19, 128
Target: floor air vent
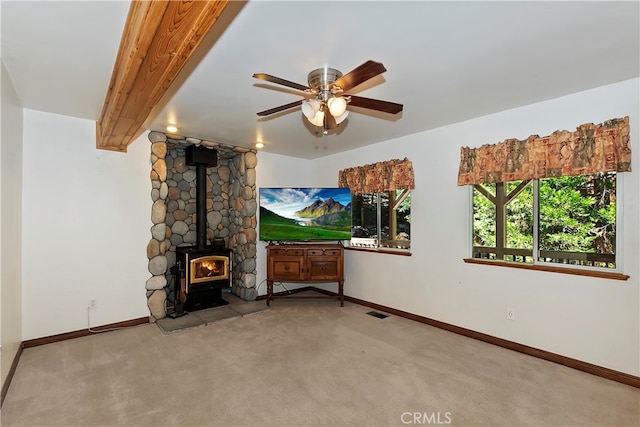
378, 315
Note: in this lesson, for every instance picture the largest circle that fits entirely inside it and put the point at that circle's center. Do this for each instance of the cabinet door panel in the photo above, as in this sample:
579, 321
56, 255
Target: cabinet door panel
323, 268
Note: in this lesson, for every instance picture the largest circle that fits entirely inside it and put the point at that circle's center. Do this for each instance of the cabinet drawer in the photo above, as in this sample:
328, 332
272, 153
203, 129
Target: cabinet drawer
288, 268
286, 252
323, 252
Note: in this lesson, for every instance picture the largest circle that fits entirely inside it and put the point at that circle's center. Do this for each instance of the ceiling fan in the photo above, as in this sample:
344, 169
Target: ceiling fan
326, 102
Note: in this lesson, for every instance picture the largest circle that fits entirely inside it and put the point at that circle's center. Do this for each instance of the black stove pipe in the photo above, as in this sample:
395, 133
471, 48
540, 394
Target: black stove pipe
201, 206
201, 158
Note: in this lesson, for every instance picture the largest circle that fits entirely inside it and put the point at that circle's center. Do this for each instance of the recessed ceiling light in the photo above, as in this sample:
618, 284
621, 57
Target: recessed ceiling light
172, 129
259, 145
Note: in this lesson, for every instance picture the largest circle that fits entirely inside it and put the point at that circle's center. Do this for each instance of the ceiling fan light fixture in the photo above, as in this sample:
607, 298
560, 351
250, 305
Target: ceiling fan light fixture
328, 93
318, 119
337, 106
341, 117
310, 108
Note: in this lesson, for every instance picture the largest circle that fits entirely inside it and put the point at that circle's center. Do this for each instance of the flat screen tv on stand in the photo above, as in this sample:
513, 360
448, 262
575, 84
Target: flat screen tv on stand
289, 214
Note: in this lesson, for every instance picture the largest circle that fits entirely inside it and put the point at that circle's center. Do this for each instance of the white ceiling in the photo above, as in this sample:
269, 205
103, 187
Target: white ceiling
446, 62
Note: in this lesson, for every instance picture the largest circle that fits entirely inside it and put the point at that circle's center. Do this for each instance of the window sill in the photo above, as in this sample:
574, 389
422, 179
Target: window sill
378, 250
549, 268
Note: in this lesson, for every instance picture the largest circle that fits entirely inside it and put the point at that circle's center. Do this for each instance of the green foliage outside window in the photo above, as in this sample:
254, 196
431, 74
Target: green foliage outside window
484, 218
520, 218
405, 207
577, 214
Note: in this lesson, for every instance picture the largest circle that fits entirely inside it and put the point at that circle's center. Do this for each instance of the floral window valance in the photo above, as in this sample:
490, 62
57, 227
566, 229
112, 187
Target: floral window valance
590, 149
378, 177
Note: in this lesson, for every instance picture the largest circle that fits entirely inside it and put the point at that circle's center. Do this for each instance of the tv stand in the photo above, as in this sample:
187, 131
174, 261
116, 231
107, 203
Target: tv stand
313, 262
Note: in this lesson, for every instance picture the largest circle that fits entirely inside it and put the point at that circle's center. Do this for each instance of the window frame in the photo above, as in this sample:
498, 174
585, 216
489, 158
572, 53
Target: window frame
379, 247
583, 270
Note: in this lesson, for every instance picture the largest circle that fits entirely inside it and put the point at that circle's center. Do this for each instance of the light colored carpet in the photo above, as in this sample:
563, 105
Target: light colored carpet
304, 363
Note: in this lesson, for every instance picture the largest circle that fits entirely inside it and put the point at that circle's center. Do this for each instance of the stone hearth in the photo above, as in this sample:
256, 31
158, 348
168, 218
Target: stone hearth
231, 213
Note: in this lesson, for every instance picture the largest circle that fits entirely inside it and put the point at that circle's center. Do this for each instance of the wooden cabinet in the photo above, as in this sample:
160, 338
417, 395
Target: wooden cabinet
305, 263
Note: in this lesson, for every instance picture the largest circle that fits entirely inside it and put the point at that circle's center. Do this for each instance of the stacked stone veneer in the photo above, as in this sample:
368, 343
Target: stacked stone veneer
231, 213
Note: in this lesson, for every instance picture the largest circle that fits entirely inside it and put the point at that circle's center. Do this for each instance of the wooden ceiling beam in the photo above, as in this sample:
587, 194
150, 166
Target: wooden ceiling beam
157, 42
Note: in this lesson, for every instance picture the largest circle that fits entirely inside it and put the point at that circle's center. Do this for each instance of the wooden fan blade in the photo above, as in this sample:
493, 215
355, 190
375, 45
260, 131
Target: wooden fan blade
280, 108
360, 75
375, 104
278, 80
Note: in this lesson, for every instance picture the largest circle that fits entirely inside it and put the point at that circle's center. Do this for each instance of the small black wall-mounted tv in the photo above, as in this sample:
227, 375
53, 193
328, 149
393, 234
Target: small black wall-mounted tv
304, 214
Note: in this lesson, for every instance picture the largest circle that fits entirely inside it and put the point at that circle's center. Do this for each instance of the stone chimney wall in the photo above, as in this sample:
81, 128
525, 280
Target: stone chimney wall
231, 213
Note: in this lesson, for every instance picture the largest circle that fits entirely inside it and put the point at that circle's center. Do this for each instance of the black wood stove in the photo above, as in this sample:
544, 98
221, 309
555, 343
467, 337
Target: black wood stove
204, 270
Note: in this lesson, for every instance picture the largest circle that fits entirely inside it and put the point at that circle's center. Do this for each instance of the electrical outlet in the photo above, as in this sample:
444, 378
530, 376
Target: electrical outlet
511, 314
92, 303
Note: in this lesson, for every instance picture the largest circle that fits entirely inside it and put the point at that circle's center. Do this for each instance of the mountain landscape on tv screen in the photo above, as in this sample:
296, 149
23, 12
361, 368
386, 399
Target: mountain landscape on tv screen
305, 214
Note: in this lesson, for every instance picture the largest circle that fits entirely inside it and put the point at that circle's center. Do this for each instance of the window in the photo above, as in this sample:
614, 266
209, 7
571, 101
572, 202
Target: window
573, 217
380, 203
381, 220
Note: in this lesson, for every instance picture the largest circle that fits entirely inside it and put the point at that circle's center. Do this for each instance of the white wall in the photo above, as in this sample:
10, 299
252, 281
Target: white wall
86, 226
590, 319
10, 223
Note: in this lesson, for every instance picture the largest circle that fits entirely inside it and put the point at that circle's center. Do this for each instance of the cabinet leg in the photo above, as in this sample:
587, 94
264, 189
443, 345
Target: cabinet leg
269, 292
341, 292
